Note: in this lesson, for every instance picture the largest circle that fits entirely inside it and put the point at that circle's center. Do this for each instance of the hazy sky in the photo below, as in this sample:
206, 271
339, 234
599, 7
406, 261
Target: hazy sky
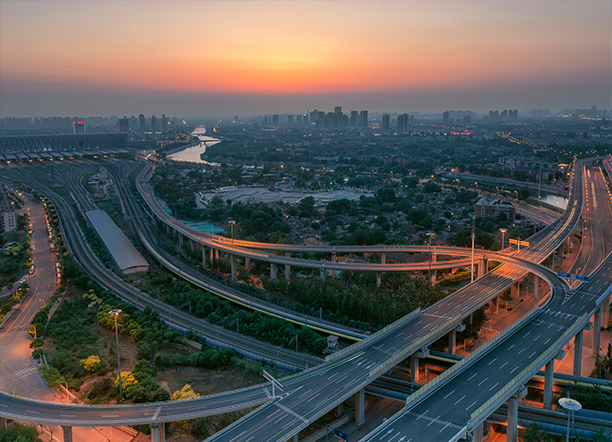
219, 58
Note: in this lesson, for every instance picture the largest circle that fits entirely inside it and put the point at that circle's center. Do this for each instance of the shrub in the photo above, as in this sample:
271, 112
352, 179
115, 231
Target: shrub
91, 364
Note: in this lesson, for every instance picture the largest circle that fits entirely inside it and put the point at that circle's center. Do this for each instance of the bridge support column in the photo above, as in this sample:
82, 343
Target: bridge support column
203, 257
340, 410
191, 245
536, 290
378, 279
414, 363
551, 261
67, 432
212, 254
549, 371
605, 313
596, 332
217, 254
158, 432
180, 235
247, 263
272, 271
233, 261
360, 407
333, 258
515, 289
452, 338
287, 268
432, 277
295, 438
513, 402
483, 266
3, 422
383, 258
478, 433
494, 305
561, 249
578, 354
322, 274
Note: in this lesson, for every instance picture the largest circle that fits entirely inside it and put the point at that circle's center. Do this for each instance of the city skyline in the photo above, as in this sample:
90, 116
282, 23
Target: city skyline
207, 59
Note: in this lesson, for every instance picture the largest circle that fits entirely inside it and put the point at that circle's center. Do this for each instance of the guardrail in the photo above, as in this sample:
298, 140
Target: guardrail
410, 349
500, 396
449, 374
375, 336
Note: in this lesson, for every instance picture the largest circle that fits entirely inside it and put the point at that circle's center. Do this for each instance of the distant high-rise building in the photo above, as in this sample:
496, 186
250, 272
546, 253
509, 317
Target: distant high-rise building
386, 122
164, 123
153, 123
298, 119
78, 127
446, 118
338, 110
467, 119
236, 118
290, 120
8, 213
124, 124
504, 113
275, 120
354, 118
402, 123
142, 121
363, 118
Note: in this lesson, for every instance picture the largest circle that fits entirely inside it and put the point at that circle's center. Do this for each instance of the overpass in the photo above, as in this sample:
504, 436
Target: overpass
371, 359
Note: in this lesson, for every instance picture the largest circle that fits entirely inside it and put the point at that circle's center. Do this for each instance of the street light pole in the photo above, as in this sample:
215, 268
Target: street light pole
473, 237
503, 231
115, 312
231, 223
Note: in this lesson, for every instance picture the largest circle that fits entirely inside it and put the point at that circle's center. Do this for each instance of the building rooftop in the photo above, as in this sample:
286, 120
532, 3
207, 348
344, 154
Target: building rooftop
123, 252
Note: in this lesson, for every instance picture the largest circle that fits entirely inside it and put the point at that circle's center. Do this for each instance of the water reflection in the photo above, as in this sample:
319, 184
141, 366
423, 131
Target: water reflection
192, 154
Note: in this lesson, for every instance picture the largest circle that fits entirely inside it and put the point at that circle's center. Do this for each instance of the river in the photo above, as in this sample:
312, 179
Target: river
192, 154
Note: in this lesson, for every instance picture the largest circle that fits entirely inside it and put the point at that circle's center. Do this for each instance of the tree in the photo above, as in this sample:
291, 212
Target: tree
185, 393
524, 194
91, 364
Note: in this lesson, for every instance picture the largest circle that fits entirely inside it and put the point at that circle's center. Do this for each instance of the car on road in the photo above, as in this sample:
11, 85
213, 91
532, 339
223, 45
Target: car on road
21, 281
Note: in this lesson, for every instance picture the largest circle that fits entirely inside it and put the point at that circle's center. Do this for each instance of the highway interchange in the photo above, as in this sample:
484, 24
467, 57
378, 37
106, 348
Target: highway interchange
314, 392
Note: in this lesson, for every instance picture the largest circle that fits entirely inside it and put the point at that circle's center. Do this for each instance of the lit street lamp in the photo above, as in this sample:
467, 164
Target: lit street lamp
570, 405
503, 231
431, 235
115, 312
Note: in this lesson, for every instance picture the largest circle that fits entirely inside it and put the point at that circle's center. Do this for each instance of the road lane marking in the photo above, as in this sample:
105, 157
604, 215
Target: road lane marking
514, 369
333, 375
496, 384
232, 440
473, 376
341, 379
112, 415
445, 397
471, 405
280, 418
304, 394
444, 427
492, 361
531, 355
35, 412
483, 381
315, 396
291, 412
521, 351
68, 415
433, 421
462, 397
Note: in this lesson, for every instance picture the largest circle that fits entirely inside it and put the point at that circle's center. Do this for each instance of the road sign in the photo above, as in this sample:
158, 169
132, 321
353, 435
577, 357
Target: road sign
269, 377
564, 275
519, 242
341, 435
582, 278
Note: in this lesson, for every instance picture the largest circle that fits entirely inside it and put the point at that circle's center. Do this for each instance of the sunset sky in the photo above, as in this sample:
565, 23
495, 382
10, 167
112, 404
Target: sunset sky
214, 58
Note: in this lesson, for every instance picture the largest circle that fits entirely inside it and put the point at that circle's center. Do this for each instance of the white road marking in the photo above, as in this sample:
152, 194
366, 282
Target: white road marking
304, 394
504, 364
462, 397
473, 376
483, 381
496, 384
471, 405
232, 440
492, 361
445, 397
315, 396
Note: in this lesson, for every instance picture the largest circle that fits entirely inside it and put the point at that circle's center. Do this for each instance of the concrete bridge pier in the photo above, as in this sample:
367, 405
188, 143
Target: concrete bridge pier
340, 410
180, 238
605, 312
432, 277
217, 254
478, 433
452, 338
536, 289
3, 422
212, 254
158, 432
287, 268
378, 279
234, 263
551, 261
333, 258
513, 402
483, 266
360, 408
67, 433
414, 362
272, 271
515, 289
494, 305
203, 257
322, 274
596, 332
549, 372
561, 250
247, 263
191, 245
578, 354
